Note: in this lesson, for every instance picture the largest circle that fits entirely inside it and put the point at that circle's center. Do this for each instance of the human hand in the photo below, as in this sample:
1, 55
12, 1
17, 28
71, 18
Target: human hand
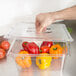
43, 20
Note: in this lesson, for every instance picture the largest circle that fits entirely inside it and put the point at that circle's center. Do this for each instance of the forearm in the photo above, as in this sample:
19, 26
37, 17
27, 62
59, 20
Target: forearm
45, 19
66, 14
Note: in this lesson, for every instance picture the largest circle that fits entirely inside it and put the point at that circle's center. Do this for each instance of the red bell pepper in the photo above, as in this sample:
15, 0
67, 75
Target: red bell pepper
47, 43
32, 48
24, 46
44, 49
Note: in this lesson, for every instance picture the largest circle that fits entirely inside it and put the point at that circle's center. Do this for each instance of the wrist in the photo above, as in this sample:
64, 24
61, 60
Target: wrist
56, 15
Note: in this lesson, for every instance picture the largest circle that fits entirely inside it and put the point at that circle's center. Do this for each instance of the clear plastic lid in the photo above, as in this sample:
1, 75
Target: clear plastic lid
55, 32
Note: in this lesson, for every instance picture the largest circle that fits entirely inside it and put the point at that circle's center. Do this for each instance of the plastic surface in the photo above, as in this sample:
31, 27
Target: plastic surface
26, 32
55, 64
55, 32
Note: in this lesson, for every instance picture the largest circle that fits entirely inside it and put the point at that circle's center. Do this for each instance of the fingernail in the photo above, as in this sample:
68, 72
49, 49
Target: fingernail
44, 29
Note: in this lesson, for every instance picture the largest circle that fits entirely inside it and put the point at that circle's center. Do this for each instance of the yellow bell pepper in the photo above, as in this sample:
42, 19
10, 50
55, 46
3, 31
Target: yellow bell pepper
43, 61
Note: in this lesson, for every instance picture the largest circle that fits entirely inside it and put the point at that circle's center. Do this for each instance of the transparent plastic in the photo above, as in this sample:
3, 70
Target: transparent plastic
57, 33
55, 64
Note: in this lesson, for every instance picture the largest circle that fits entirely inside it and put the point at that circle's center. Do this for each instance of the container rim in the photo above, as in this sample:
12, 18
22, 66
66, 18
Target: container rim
37, 55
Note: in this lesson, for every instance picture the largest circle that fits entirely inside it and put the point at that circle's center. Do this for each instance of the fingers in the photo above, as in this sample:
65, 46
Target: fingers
41, 22
37, 24
44, 29
41, 28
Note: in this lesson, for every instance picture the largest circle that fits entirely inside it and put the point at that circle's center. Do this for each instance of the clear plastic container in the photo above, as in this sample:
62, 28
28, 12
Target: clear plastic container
57, 33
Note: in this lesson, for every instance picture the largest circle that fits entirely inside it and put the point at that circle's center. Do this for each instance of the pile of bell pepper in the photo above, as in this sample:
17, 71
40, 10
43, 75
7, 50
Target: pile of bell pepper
43, 59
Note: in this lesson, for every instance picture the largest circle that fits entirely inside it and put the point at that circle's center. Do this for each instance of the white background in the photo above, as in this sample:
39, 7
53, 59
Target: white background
13, 11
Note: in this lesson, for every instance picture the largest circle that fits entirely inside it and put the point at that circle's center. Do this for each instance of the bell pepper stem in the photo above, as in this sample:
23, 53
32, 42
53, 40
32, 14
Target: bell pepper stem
54, 48
39, 61
25, 43
40, 51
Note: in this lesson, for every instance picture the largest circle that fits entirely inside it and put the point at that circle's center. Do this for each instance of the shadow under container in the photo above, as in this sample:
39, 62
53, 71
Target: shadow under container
57, 33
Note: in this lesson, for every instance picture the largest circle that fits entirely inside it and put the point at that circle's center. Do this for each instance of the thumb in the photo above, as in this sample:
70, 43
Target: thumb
42, 27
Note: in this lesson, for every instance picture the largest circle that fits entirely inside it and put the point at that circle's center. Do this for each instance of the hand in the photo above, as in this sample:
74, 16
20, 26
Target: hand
43, 20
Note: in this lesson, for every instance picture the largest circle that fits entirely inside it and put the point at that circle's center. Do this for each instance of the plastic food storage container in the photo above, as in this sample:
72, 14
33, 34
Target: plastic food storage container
25, 32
